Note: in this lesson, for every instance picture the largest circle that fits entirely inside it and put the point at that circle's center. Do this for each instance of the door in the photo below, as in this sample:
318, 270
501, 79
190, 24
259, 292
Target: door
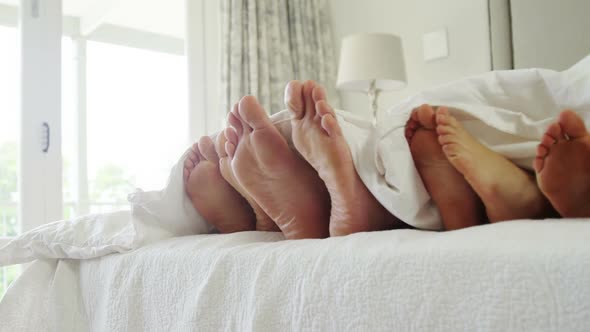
30, 155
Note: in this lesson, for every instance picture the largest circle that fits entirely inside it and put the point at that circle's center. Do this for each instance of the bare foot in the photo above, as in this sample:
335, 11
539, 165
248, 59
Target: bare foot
507, 191
318, 137
211, 195
563, 166
458, 204
284, 185
263, 221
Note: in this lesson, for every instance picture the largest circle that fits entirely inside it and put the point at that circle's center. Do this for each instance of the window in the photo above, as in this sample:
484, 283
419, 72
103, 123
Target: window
131, 132
136, 125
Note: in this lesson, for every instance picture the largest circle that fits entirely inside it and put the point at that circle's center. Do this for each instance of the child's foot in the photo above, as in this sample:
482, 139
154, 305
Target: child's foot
563, 166
263, 221
211, 195
284, 185
318, 137
507, 191
457, 203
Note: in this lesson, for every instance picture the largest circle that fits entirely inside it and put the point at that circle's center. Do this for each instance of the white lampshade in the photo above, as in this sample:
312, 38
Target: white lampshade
371, 56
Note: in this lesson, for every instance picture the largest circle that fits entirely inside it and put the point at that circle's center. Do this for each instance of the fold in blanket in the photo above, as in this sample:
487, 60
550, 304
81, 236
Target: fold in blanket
508, 111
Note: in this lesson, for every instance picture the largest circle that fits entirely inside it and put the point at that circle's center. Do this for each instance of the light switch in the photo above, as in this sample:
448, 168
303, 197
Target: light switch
435, 45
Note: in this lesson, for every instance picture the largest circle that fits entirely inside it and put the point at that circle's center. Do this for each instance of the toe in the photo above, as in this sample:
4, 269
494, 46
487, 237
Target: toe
446, 139
309, 104
426, 116
445, 130
331, 126
246, 129
207, 148
538, 164
412, 124
318, 93
189, 164
230, 149
443, 117
548, 140
542, 151
409, 133
553, 133
234, 120
294, 99
323, 108
572, 125
193, 153
226, 170
253, 114
220, 145
230, 136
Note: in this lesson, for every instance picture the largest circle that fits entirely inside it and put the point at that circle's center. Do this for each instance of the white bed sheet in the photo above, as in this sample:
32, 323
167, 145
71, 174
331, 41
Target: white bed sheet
514, 276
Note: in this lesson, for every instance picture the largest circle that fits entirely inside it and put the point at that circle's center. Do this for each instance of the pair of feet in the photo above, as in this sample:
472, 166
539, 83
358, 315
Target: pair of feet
248, 178
469, 183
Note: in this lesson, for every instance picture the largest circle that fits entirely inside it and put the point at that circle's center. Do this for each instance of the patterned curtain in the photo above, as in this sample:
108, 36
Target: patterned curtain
266, 43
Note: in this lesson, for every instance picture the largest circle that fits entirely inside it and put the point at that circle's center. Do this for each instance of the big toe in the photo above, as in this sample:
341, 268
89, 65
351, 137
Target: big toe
207, 148
572, 124
253, 114
425, 115
294, 99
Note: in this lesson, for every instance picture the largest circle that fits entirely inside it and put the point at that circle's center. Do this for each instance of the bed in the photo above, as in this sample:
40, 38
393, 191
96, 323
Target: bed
144, 270
516, 276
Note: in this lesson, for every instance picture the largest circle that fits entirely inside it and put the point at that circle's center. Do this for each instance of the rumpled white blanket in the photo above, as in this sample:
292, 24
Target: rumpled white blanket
508, 111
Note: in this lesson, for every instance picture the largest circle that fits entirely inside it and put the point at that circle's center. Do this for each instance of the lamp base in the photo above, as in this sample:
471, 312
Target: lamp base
373, 95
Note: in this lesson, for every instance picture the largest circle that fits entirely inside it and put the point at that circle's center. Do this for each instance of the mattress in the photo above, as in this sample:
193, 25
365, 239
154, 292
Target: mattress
512, 276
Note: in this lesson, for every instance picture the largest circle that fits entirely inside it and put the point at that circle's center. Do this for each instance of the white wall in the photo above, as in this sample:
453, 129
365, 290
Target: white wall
203, 45
564, 39
466, 22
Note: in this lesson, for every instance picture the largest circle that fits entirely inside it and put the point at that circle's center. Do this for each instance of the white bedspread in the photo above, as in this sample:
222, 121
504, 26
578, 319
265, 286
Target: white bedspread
517, 276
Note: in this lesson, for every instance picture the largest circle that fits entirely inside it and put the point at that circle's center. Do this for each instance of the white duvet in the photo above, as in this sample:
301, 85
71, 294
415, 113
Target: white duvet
507, 110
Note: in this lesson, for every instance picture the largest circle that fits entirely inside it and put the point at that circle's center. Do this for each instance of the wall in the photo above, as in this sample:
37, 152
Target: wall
203, 58
467, 25
564, 39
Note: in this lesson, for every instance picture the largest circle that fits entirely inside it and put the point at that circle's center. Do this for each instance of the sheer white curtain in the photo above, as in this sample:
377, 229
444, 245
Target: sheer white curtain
266, 43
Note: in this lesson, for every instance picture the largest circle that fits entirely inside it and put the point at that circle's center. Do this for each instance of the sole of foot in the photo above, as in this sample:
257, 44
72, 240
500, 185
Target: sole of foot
214, 198
263, 222
457, 202
318, 138
563, 166
507, 191
285, 186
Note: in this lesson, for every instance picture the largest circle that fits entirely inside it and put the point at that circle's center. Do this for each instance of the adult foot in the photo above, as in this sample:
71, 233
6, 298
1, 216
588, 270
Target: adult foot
263, 221
286, 187
318, 137
563, 166
507, 191
210, 194
457, 202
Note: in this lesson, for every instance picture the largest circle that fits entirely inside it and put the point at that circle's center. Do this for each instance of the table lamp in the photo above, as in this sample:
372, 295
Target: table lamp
371, 63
